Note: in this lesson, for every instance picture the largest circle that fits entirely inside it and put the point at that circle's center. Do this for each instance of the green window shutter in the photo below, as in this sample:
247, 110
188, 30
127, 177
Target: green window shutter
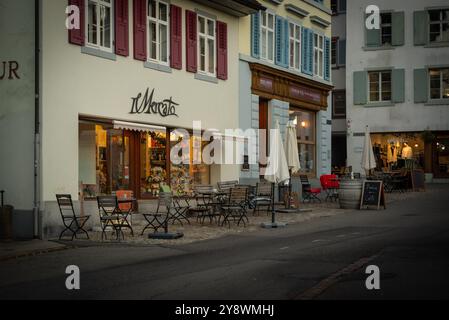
360, 87
397, 21
398, 85
421, 85
420, 27
372, 36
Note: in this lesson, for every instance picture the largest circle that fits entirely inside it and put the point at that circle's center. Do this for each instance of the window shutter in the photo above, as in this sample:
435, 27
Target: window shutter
398, 85
341, 53
327, 53
304, 42
222, 50
140, 30
77, 36
121, 28
420, 27
397, 26
175, 37
342, 6
307, 51
281, 47
286, 43
310, 52
191, 41
421, 83
360, 87
372, 37
255, 35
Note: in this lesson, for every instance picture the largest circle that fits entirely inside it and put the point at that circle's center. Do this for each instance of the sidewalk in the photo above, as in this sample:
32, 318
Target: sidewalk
16, 249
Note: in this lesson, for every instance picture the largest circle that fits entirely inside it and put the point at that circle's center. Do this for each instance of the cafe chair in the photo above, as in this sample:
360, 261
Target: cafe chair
72, 223
263, 197
235, 208
308, 192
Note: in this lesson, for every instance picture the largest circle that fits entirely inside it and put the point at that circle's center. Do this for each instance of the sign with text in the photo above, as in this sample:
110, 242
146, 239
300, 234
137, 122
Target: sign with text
373, 195
304, 94
144, 103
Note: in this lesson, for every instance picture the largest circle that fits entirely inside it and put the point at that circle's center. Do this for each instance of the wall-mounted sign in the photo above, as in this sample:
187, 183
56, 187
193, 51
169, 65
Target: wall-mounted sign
298, 92
145, 104
9, 70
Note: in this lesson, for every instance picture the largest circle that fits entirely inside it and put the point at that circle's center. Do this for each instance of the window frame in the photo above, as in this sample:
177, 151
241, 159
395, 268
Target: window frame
336, 115
380, 87
440, 22
386, 25
334, 48
268, 30
442, 96
317, 52
293, 39
158, 23
207, 37
97, 45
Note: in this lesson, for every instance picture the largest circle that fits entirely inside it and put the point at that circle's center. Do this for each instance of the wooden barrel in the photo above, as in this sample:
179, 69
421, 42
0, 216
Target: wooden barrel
350, 193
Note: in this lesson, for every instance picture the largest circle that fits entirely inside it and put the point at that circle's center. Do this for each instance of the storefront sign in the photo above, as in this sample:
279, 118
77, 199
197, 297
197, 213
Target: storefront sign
266, 84
9, 70
145, 104
297, 92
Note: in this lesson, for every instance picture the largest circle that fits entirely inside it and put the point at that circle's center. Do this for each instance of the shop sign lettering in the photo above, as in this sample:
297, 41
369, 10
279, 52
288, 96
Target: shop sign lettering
145, 104
9, 70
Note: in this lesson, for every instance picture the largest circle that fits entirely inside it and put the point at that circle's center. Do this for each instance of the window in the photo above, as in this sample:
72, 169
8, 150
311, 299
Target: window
295, 46
334, 47
99, 24
334, 6
267, 36
439, 26
207, 46
318, 53
158, 31
385, 28
439, 83
379, 86
339, 104
305, 129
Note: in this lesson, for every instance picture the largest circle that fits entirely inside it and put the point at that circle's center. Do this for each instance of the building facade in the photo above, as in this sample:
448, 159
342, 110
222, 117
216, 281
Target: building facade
398, 85
284, 74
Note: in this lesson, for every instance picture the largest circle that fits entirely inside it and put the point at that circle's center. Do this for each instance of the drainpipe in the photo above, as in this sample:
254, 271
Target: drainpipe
36, 200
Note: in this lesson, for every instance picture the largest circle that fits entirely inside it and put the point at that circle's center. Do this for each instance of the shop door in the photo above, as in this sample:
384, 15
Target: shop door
263, 139
441, 156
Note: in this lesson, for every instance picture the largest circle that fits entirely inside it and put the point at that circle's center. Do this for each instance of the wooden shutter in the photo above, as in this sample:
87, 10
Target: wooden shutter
121, 28
222, 50
191, 41
307, 51
77, 36
421, 83
310, 51
140, 29
286, 43
279, 28
176, 37
326, 57
398, 85
255, 35
397, 27
420, 27
360, 87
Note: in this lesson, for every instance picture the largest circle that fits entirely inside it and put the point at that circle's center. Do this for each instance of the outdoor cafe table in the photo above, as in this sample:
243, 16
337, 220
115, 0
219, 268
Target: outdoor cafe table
212, 200
124, 214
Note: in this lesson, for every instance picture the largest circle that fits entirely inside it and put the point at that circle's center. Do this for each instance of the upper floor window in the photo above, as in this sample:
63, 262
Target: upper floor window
295, 46
267, 36
386, 28
439, 25
338, 6
379, 86
334, 51
158, 31
318, 55
207, 46
439, 84
99, 24
339, 105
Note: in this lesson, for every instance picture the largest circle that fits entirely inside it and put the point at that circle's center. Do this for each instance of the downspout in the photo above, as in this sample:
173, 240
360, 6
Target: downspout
37, 38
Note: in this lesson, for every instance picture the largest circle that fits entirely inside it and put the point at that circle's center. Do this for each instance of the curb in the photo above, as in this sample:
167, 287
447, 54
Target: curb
32, 253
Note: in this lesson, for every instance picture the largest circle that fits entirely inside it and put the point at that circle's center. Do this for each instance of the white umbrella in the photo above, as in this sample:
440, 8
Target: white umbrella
368, 159
291, 148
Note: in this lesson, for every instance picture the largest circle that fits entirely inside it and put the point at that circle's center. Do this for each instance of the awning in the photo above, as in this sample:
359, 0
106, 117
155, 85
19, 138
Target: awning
133, 126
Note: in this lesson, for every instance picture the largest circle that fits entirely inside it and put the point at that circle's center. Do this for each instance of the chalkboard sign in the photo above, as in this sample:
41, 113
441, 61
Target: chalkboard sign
372, 194
418, 180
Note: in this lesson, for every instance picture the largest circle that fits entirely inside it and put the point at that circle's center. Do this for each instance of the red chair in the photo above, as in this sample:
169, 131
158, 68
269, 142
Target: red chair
309, 193
330, 184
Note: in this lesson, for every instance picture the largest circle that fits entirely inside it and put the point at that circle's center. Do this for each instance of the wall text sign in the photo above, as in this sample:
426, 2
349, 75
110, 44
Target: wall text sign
9, 70
145, 104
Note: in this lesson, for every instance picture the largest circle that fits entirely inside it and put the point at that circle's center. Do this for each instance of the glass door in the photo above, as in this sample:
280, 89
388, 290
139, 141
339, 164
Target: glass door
441, 156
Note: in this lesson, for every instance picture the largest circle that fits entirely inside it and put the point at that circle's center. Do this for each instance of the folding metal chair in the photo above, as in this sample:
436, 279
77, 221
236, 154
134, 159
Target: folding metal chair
159, 219
112, 216
71, 221
235, 209
263, 197
309, 193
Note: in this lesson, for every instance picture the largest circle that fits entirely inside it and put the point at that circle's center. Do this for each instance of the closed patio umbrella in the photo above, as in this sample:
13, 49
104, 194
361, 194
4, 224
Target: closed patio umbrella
277, 169
368, 159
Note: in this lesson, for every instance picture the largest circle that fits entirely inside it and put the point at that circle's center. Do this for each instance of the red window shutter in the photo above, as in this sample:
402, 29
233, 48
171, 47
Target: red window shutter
176, 37
191, 41
140, 30
121, 28
222, 50
76, 36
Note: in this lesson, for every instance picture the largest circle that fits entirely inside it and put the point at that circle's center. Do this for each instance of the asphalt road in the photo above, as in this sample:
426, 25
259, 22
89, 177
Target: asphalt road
320, 259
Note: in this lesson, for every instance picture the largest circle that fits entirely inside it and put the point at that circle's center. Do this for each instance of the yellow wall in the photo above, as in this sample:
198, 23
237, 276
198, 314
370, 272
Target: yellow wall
245, 23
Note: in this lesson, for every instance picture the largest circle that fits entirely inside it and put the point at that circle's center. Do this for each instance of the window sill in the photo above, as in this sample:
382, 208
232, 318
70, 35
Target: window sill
203, 77
379, 104
378, 48
439, 102
98, 53
437, 45
157, 66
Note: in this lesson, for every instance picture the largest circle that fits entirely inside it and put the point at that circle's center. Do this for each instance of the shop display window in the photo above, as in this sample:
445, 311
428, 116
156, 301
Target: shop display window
305, 129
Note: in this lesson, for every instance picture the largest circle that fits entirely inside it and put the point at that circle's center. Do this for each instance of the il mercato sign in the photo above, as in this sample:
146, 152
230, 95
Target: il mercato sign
145, 104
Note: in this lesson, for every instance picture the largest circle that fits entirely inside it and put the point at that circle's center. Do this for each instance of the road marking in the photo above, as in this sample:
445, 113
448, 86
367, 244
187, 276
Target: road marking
284, 248
319, 240
325, 284
341, 236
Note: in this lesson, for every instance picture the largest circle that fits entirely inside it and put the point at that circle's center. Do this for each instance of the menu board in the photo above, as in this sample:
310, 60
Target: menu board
372, 195
418, 180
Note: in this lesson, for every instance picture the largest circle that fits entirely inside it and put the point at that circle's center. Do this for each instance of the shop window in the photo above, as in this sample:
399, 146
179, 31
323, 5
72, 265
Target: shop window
442, 156
207, 46
318, 52
295, 46
158, 31
99, 24
267, 36
305, 129
439, 26
153, 162
379, 86
439, 84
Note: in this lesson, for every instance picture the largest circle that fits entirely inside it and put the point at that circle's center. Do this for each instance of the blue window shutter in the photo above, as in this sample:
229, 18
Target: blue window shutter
327, 49
286, 43
310, 52
307, 51
304, 42
279, 60
255, 35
